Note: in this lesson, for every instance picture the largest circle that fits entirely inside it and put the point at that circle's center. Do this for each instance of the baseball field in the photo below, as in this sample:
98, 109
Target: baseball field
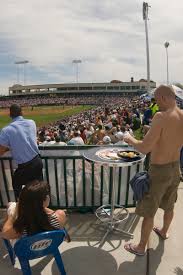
44, 115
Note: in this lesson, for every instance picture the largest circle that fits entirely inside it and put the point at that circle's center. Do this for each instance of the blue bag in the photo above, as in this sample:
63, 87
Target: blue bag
140, 185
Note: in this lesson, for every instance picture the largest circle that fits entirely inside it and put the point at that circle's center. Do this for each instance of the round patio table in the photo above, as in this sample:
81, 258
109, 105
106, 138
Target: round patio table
106, 213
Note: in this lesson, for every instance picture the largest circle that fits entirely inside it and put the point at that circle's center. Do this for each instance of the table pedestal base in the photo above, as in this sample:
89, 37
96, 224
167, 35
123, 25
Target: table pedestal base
112, 217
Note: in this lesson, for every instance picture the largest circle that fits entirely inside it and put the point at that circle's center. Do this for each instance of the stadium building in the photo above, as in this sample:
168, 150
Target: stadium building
115, 87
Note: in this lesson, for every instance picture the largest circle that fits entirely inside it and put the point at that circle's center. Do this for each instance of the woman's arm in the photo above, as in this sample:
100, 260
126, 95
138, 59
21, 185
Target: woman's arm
8, 231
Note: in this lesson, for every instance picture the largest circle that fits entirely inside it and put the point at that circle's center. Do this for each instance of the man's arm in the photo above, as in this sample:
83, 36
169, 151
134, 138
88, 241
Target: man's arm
3, 149
146, 145
4, 141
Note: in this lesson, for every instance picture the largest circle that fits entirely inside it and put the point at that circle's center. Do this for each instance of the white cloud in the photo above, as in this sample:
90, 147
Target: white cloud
108, 36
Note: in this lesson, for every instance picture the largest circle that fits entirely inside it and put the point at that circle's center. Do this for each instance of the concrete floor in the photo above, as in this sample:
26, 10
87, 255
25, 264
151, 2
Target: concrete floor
86, 255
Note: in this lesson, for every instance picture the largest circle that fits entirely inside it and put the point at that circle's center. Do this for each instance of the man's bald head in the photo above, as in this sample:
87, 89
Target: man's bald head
165, 91
165, 97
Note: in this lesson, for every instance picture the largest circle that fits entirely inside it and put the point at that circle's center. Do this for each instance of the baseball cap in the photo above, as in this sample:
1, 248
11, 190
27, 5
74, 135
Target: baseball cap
106, 139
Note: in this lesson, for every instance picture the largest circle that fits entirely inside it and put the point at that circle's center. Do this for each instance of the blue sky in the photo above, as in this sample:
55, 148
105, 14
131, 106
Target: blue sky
107, 35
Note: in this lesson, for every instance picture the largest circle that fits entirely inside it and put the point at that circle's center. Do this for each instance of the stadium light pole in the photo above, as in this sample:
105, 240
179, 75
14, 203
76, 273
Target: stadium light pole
22, 62
76, 62
167, 44
17, 69
145, 18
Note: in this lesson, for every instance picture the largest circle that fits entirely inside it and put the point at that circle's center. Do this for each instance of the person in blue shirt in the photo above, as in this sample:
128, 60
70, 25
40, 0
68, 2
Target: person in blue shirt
147, 116
20, 138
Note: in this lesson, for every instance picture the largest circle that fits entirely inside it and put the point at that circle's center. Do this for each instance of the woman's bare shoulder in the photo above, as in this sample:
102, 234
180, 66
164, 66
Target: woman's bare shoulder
61, 216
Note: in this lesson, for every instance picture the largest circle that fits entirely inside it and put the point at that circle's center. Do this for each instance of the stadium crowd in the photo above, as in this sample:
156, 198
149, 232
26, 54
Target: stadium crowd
56, 100
105, 124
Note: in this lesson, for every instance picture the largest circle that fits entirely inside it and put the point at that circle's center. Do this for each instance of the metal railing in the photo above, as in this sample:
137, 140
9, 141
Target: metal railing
75, 183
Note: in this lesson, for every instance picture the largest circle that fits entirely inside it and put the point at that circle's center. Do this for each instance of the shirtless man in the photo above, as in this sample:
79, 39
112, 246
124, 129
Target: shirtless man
164, 140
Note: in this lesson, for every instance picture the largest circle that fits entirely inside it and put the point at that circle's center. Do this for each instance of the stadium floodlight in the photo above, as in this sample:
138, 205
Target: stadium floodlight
145, 9
22, 62
76, 62
167, 44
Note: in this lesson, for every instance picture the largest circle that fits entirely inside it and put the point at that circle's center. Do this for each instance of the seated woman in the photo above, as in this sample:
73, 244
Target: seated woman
31, 214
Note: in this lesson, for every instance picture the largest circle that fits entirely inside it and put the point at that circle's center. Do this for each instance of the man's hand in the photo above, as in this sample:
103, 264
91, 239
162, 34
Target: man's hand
129, 139
3, 149
146, 145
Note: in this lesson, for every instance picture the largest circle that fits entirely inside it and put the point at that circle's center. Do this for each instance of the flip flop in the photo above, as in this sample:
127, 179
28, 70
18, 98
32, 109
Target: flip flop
157, 231
129, 248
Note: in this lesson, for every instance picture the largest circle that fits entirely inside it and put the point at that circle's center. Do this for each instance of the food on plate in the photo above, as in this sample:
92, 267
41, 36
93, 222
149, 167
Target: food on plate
128, 154
118, 155
109, 155
112, 155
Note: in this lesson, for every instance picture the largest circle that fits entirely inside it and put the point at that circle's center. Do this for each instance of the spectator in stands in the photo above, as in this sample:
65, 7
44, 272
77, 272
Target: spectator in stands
136, 123
48, 141
20, 137
41, 136
120, 138
113, 130
99, 121
128, 129
153, 107
52, 141
147, 116
63, 136
136, 112
58, 142
76, 140
31, 214
88, 132
106, 141
127, 118
98, 134
82, 133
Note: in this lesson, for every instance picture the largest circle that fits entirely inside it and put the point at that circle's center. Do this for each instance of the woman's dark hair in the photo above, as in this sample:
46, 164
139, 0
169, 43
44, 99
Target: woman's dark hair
31, 215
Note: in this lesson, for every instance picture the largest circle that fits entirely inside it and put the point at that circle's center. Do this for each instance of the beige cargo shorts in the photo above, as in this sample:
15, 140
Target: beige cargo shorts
164, 182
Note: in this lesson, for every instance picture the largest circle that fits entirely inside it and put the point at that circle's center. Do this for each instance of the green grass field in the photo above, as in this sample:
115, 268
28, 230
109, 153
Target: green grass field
44, 115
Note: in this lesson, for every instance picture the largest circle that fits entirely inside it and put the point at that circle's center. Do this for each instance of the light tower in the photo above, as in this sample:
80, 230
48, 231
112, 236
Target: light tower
18, 63
145, 18
167, 44
76, 62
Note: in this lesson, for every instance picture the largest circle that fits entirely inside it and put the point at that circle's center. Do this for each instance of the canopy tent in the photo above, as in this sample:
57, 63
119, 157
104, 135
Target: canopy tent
179, 96
151, 93
145, 97
178, 92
